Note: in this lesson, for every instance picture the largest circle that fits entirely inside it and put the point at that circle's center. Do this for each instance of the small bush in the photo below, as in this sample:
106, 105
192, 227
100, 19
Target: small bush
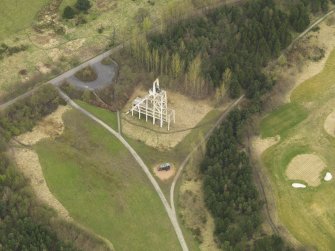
83, 5
68, 12
87, 74
107, 61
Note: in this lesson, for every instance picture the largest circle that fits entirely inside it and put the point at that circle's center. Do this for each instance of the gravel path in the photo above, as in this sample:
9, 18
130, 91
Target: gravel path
187, 159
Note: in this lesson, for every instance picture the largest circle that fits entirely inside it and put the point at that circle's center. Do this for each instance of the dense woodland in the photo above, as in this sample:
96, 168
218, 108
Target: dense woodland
24, 223
224, 52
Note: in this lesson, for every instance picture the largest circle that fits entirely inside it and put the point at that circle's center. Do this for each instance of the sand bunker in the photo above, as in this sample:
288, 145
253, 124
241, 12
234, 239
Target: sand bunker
189, 113
328, 177
27, 161
165, 175
259, 145
50, 127
329, 124
306, 167
298, 185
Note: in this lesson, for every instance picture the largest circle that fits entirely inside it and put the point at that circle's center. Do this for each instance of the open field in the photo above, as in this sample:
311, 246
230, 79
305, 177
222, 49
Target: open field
103, 188
62, 51
308, 214
152, 157
18, 15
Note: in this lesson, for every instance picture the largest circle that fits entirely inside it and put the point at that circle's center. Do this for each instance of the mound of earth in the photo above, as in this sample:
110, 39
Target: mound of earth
306, 167
165, 175
329, 124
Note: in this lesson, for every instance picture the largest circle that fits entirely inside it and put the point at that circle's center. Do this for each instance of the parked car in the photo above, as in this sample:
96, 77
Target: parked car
164, 167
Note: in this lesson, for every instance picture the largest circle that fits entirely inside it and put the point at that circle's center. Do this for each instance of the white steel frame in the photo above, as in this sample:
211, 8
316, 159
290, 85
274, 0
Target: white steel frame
154, 105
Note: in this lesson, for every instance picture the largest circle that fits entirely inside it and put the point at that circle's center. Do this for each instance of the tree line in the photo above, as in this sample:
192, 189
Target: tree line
24, 224
230, 193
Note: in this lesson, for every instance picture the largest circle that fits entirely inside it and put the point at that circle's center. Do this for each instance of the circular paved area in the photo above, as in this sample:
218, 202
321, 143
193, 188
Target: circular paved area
106, 75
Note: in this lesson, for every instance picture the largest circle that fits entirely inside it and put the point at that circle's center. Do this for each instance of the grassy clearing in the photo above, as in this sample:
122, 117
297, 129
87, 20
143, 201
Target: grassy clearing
308, 214
103, 188
18, 15
284, 118
152, 156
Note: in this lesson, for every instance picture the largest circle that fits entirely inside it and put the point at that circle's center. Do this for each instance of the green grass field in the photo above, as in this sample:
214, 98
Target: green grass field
110, 118
18, 14
282, 119
309, 214
103, 188
152, 156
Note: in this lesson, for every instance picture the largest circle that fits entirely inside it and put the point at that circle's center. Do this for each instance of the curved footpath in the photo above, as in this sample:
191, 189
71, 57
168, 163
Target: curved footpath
138, 159
187, 159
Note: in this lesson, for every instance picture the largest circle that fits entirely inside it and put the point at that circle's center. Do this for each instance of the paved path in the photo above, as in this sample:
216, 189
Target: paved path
58, 80
187, 159
105, 77
138, 159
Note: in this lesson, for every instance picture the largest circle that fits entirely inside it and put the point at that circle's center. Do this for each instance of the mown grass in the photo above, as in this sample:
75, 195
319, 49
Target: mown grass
18, 15
106, 116
152, 156
308, 213
282, 119
103, 188
319, 87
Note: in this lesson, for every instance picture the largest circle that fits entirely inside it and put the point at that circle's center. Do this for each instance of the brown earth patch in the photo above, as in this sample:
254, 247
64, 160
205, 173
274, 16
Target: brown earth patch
306, 167
325, 39
189, 113
55, 54
75, 44
259, 145
28, 162
49, 127
165, 175
43, 68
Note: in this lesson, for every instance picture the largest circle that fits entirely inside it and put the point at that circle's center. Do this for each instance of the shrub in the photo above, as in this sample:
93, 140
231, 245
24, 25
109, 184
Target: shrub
68, 12
86, 74
83, 5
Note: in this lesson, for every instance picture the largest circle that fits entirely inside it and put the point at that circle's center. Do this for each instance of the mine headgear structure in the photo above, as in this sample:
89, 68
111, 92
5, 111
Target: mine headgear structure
154, 105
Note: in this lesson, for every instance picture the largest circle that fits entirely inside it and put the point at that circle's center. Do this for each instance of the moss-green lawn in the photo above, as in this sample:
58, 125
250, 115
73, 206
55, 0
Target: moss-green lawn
309, 214
16, 15
103, 188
